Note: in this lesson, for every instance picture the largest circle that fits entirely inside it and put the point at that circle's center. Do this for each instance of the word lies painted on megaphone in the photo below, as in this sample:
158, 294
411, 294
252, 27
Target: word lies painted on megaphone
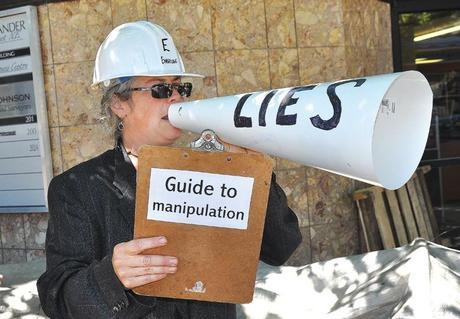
291, 119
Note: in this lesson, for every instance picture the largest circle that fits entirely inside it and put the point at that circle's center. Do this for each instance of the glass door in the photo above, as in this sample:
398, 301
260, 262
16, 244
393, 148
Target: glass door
429, 41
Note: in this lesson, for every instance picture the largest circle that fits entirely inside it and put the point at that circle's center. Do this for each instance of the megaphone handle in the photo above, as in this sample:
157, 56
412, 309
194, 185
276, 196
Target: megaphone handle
208, 141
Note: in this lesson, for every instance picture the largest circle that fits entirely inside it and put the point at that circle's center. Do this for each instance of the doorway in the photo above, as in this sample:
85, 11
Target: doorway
426, 37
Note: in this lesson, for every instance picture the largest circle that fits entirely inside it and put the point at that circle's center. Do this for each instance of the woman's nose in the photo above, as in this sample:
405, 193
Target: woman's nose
175, 96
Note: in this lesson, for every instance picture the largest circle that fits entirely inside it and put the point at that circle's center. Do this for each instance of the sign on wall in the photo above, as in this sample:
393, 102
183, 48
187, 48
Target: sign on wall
25, 157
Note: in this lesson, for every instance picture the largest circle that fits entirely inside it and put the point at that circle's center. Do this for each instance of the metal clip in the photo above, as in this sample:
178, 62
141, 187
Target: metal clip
208, 141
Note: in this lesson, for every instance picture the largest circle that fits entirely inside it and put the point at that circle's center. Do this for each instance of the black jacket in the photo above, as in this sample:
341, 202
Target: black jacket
91, 210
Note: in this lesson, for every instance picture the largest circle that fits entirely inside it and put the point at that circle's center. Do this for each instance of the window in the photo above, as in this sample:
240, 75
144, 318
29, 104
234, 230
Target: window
426, 37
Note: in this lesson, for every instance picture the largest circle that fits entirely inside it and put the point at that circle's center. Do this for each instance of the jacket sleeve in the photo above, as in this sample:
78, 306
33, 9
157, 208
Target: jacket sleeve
76, 284
281, 232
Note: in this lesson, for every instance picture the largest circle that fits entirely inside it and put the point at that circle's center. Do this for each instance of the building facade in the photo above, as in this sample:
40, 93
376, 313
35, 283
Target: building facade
241, 46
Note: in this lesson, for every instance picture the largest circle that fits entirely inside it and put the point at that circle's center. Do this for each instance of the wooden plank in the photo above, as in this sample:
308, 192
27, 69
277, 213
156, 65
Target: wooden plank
397, 219
359, 195
427, 198
363, 227
369, 223
421, 225
425, 169
423, 208
364, 193
382, 220
407, 213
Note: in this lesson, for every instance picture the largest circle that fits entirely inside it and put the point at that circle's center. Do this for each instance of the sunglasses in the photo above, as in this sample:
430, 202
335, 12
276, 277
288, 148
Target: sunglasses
165, 90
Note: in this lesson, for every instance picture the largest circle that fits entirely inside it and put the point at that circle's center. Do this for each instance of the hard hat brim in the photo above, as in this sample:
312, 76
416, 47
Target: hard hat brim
182, 75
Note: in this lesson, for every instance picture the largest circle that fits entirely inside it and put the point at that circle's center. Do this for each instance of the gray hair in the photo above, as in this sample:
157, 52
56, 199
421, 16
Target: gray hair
115, 90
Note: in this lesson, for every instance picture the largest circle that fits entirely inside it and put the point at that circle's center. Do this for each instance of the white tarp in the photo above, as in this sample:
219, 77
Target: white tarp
420, 280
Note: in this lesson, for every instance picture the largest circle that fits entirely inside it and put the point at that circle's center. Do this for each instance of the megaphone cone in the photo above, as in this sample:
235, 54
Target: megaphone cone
373, 129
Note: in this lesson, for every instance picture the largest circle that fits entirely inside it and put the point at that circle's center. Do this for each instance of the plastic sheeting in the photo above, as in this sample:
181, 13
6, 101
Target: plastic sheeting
419, 280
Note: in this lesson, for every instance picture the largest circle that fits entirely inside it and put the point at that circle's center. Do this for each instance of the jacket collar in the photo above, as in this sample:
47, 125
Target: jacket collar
125, 173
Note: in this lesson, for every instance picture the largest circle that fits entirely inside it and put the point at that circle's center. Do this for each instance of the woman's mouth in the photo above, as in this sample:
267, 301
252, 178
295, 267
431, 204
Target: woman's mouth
165, 117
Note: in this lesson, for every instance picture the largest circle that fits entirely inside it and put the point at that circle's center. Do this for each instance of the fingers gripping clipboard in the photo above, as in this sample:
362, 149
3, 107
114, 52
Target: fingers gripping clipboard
211, 207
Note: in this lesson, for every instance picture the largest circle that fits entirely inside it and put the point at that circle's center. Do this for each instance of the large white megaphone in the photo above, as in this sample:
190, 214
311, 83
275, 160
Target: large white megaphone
373, 129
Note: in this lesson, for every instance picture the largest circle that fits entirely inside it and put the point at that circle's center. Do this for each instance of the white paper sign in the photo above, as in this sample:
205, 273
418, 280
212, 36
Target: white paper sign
199, 198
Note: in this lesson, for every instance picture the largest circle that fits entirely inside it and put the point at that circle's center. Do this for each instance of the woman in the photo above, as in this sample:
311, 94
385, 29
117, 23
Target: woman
92, 260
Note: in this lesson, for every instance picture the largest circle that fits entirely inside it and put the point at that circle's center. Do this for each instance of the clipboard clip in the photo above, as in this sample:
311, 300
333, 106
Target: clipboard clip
208, 141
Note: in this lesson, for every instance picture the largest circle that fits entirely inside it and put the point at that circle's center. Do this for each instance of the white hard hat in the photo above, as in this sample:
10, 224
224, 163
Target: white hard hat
138, 48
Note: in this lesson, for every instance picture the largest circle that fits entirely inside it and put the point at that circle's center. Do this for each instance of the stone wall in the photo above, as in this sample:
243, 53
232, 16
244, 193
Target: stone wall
241, 46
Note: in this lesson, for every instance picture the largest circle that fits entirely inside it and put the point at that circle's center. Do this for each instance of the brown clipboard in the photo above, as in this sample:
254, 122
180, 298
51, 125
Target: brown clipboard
215, 264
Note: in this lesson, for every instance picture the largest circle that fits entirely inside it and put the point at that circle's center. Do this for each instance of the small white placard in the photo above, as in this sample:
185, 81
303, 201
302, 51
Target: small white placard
199, 198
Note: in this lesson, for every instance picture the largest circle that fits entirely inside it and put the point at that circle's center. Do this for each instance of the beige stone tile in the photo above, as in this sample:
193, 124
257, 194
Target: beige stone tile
273, 160
302, 255
56, 154
45, 35
355, 61
78, 28
353, 5
294, 184
127, 11
319, 23
370, 64
241, 71
321, 64
186, 138
12, 231
35, 254
377, 22
355, 34
366, 4
238, 24
189, 22
35, 226
329, 197
371, 26
334, 240
282, 163
280, 23
384, 61
81, 143
14, 256
284, 68
77, 102
201, 63
50, 94
384, 23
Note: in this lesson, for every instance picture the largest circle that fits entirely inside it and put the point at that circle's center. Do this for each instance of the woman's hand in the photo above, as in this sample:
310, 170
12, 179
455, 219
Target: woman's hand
134, 269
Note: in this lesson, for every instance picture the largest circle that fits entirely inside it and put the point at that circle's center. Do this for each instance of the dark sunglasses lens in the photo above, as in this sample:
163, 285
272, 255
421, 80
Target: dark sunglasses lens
164, 90
161, 91
185, 89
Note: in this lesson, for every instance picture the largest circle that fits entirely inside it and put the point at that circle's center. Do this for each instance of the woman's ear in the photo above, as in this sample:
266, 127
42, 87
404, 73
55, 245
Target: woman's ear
120, 108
